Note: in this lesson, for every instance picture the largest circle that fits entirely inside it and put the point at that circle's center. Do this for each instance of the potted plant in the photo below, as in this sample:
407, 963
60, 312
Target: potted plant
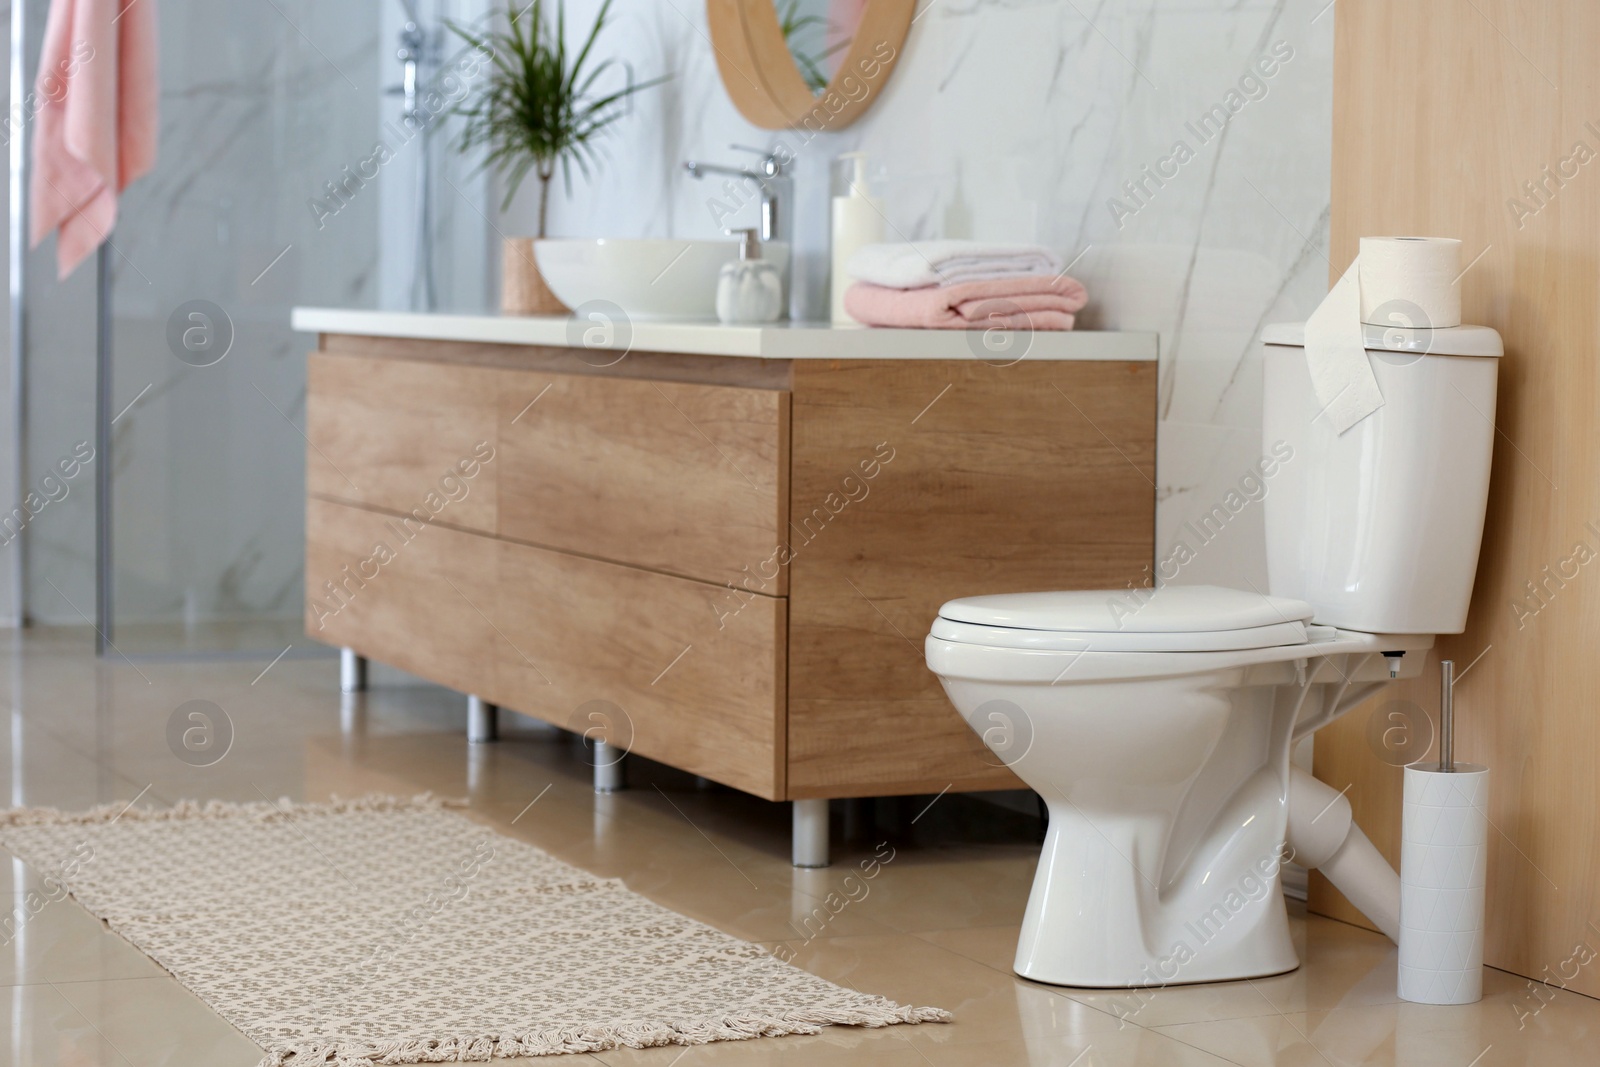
539, 109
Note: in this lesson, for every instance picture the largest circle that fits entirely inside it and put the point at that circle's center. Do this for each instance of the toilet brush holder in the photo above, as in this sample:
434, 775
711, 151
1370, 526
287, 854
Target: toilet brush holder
1443, 873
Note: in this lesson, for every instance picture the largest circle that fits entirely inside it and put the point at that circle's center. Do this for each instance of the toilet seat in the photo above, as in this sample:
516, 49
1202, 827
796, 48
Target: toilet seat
1170, 619
966, 633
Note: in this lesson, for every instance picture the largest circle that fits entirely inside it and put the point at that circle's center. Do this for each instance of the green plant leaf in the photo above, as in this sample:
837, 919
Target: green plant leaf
539, 108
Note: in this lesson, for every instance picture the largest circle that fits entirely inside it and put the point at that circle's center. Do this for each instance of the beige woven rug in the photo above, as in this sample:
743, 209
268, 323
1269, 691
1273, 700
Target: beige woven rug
395, 931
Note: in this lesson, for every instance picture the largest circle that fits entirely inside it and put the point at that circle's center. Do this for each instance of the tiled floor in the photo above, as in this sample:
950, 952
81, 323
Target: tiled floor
937, 926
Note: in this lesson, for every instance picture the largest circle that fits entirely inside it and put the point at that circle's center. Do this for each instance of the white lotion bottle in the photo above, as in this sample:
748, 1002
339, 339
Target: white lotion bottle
858, 220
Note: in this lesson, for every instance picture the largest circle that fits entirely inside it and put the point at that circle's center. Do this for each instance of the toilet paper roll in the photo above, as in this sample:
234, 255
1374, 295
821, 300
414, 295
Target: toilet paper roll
1443, 875
1411, 282
1407, 282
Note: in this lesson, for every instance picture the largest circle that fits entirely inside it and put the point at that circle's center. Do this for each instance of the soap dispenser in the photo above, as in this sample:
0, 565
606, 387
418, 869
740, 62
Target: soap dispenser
857, 221
749, 289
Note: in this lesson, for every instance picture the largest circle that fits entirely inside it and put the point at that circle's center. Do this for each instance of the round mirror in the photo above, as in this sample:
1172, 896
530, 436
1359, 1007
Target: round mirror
811, 64
817, 32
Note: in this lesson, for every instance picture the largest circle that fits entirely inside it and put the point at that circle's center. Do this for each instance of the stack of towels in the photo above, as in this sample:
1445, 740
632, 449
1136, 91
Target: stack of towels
957, 285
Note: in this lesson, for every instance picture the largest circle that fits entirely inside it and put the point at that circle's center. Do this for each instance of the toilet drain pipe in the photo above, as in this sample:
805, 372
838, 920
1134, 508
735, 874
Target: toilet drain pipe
1323, 834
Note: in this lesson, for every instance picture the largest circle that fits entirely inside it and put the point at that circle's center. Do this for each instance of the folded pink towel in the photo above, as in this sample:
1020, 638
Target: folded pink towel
1026, 302
96, 129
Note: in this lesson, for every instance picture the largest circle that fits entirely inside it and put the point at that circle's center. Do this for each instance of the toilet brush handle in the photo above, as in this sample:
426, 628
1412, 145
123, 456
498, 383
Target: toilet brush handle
1447, 714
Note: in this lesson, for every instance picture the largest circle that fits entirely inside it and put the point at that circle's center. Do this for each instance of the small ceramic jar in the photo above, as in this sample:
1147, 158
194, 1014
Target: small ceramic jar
750, 289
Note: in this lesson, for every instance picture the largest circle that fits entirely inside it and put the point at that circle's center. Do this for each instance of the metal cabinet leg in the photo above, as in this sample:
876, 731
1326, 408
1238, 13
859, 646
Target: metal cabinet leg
483, 720
480, 762
810, 840
609, 774
352, 714
352, 671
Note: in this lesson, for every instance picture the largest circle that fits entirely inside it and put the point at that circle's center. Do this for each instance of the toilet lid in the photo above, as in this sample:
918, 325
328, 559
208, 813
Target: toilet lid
1194, 618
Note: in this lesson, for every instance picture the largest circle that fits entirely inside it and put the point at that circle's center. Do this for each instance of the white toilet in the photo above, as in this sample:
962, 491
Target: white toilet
1157, 723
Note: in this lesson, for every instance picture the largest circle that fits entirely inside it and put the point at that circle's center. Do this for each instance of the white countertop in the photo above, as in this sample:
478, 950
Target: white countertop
777, 341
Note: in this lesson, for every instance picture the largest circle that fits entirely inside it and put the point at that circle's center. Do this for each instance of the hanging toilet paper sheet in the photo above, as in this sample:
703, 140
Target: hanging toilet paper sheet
1337, 353
1404, 282
1444, 845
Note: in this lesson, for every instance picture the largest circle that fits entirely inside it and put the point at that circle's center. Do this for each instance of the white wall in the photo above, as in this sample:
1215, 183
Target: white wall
1006, 119
1019, 120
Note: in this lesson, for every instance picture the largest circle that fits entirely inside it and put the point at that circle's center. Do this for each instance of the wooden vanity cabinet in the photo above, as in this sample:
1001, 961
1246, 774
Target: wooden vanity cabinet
742, 555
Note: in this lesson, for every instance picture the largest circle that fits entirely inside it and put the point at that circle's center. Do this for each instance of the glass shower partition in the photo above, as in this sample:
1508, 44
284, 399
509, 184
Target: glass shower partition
287, 175
264, 105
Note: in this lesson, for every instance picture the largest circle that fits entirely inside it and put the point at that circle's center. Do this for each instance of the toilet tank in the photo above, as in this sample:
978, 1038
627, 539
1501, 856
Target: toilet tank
1378, 528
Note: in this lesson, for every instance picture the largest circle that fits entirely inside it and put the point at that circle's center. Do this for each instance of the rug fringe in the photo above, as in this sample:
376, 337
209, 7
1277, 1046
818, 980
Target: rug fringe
220, 809
567, 1040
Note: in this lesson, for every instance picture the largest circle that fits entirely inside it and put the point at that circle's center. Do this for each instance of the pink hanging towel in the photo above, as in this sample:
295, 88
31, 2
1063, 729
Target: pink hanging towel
95, 130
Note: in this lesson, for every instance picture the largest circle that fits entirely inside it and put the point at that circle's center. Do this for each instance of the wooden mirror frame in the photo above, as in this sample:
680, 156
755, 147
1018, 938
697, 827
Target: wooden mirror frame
768, 88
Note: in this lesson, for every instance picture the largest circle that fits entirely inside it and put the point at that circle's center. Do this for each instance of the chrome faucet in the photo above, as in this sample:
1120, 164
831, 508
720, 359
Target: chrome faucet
776, 188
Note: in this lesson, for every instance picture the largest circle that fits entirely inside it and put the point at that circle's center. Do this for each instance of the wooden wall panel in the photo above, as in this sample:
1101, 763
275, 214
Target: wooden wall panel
1443, 112
988, 479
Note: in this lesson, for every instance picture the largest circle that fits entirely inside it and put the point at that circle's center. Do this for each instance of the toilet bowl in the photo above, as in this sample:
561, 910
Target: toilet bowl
1162, 756
1157, 724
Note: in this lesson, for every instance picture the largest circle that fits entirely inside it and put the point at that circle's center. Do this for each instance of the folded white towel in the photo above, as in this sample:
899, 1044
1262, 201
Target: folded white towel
912, 265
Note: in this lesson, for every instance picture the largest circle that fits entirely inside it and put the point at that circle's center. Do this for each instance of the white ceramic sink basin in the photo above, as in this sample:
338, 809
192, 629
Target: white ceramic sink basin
648, 278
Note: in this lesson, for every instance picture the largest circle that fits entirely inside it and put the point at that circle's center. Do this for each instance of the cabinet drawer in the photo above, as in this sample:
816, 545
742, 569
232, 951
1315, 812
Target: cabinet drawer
403, 435
702, 697
684, 478
415, 597
697, 673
